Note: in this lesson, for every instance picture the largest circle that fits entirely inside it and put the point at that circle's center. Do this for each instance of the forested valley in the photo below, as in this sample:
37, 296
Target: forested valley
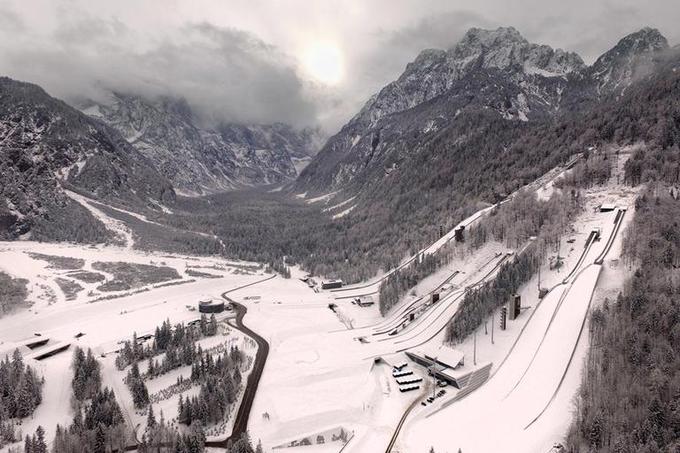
476, 161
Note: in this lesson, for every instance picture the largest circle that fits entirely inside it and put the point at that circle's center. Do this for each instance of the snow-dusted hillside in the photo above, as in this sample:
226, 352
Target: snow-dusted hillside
44, 142
199, 159
497, 71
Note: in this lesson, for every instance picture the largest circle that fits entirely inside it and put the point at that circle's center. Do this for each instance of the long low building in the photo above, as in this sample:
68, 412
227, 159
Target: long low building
331, 284
398, 374
364, 301
445, 363
444, 356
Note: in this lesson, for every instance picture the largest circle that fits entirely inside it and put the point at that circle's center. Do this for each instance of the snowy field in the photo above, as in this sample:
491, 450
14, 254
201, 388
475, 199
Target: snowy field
99, 323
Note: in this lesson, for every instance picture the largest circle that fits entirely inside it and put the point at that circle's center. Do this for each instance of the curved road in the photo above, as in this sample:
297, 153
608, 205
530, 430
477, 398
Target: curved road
402, 420
241, 421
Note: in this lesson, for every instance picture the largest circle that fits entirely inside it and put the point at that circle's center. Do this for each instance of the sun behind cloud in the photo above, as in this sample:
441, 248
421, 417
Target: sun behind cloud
323, 62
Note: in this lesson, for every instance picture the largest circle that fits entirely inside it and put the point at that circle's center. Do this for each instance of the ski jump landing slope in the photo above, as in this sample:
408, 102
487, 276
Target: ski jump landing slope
522, 388
534, 386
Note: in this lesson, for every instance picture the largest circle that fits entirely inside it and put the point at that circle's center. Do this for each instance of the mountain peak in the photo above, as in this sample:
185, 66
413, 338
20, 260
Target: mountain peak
645, 41
649, 34
503, 51
495, 37
505, 48
642, 41
628, 60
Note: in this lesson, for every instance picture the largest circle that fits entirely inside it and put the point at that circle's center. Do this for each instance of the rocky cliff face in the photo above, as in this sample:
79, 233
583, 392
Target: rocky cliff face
498, 71
199, 160
434, 72
44, 144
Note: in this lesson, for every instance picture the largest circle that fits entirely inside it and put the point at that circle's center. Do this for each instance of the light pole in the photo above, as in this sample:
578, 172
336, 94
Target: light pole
474, 348
433, 370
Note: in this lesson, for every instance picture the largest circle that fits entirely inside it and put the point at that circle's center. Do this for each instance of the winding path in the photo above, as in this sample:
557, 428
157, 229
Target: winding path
241, 421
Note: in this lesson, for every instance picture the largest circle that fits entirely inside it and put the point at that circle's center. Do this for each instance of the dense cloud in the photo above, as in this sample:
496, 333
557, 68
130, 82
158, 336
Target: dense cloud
241, 60
225, 74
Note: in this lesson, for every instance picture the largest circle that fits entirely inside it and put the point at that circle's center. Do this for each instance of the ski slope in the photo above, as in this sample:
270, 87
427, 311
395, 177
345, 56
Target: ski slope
530, 384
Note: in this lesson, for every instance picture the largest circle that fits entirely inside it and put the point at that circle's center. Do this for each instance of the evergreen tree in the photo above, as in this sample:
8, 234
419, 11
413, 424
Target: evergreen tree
237, 377
151, 367
203, 324
24, 400
86, 374
134, 371
140, 394
212, 326
150, 419
20, 391
99, 439
39, 445
181, 411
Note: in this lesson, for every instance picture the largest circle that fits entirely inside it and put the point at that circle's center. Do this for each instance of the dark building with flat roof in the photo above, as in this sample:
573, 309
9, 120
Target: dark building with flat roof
331, 284
211, 306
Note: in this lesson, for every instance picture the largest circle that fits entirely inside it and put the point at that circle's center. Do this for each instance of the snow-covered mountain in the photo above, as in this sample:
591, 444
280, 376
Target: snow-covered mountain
452, 113
46, 144
435, 72
631, 59
198, 159
498, 71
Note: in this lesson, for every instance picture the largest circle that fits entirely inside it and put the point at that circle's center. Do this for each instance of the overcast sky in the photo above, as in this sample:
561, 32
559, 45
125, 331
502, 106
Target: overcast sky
258, 60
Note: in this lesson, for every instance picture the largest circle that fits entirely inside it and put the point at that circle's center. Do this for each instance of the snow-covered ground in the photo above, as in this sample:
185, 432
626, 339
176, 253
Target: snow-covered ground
528, 401
322, 198
102, 323
17, 260
339, 205
321, 374
343, 213
120, 230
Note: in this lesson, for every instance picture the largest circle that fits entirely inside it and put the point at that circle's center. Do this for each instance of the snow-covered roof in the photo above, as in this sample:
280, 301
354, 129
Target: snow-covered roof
365, 300
210, 302
443, 355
